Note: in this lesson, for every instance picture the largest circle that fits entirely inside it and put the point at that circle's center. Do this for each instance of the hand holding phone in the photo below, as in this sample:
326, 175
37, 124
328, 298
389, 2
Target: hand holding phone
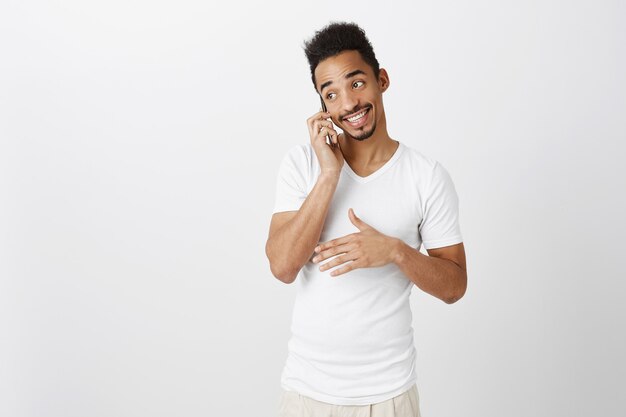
328, 153
330, 141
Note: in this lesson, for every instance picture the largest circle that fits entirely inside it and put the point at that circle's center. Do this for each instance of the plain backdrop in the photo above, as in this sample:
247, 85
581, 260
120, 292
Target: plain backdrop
139, 148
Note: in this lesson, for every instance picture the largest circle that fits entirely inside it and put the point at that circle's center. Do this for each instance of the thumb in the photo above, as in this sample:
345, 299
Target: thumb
360, 224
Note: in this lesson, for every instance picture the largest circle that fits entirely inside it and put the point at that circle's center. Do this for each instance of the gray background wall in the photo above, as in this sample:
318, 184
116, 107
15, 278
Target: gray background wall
139, 145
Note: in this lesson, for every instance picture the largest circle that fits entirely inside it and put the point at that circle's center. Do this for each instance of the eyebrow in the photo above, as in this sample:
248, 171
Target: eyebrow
348, 75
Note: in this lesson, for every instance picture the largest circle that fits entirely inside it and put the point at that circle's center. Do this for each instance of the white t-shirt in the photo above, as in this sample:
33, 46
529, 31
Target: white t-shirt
352, 335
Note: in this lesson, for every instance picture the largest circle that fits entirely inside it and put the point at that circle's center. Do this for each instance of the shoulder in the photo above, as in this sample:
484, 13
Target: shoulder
300, 160
425, 167
433, 177
298, 156
298, 151
419, 159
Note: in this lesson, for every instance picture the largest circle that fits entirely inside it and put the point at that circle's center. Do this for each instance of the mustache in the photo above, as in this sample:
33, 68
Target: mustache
354, 111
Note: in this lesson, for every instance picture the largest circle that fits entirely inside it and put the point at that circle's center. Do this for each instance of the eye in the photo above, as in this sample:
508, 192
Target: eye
328, 95
357, 82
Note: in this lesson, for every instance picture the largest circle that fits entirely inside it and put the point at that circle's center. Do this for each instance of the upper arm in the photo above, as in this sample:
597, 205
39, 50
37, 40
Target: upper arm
454, 253
440, 226
292, 181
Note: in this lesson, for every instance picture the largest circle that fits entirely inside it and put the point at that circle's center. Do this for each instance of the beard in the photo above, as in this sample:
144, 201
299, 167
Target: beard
361, 135
365, 134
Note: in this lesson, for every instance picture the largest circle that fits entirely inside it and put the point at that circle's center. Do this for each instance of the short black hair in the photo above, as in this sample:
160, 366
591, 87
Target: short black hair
335, 38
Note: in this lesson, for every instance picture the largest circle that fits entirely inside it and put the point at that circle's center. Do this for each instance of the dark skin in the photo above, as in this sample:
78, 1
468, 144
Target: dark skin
366, 148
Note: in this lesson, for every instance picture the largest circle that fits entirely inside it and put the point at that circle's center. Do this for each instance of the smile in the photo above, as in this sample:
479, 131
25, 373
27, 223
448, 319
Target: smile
358, 119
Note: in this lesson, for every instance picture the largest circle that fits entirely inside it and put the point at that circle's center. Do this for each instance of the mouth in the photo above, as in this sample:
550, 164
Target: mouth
357, 119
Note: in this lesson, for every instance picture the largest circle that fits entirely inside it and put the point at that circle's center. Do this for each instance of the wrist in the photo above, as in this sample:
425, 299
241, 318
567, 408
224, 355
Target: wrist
397, 250
332, 176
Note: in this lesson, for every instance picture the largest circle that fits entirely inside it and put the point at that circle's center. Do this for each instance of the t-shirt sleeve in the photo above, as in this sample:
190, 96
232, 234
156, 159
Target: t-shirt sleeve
291, 184
440, 224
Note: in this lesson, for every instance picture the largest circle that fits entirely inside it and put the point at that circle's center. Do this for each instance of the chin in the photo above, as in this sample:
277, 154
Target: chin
361, 136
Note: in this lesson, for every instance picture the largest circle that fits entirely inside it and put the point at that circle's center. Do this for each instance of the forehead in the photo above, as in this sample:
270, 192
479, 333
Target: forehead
334, 68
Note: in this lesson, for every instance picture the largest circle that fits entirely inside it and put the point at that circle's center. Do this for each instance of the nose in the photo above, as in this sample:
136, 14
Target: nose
350, 103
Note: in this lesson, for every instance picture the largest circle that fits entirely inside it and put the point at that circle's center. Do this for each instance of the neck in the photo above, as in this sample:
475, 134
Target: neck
374, 150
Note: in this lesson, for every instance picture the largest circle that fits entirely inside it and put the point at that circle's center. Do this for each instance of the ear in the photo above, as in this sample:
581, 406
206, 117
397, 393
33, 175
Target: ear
383, 80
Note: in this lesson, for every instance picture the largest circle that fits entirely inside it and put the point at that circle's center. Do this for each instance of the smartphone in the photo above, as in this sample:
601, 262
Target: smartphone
330, 141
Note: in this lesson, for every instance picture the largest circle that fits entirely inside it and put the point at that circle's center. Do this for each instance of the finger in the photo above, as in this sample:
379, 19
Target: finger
326, 131
334, 136
334, 242
341, 259
332, 133
317, 124
346, 268
360, 224
317, 116
336, 250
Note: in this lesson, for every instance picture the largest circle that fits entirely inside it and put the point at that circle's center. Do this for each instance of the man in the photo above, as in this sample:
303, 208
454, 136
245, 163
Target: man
348, 222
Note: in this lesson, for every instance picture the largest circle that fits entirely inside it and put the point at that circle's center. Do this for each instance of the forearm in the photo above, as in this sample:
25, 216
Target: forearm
441, 278
293, 244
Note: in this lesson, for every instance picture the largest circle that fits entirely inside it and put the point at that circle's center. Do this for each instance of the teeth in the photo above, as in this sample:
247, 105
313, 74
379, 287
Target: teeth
357, 117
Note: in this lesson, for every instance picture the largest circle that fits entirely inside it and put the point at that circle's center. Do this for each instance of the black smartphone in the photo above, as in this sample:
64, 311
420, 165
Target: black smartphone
330, 141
